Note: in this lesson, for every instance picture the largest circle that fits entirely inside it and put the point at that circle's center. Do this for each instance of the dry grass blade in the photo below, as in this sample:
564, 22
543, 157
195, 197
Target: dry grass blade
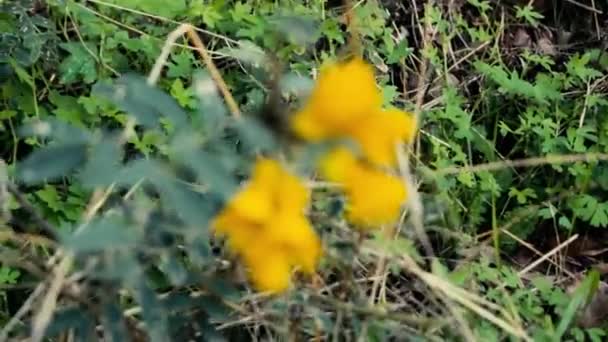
446, 289
547, 255
527, 162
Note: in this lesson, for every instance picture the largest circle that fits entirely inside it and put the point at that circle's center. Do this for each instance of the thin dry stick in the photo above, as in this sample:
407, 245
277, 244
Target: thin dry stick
414, 203
43, 317
200, 48
534, 250
527, 162
455, 293
161, 18
547, 255
165, 52
23, 310
587, 7
215, 74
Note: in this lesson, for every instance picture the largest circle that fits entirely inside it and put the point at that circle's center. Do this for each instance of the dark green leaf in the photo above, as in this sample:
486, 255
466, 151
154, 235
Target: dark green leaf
132, 94
247, 52
297, 29
79, 65
212, 111
103, 164
51, 162
255, 137
190, 206
64, 319
56, 130
104, 233
153, 314
113, 323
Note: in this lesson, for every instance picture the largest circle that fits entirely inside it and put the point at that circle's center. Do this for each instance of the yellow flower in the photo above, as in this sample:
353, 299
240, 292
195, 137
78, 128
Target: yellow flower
336, 165
254, 202
344, 93
290, 193
377, 135
374, 197
268, 267
294, 234
266, 226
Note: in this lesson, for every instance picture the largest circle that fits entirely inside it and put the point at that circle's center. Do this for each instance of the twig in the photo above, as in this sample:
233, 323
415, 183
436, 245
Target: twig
4, 212
411, 320
587, 7
23, 310
200, 48
533, 249
49, 303
527, 162
25, 204
462, 297
547, 255
165, 52
215, 74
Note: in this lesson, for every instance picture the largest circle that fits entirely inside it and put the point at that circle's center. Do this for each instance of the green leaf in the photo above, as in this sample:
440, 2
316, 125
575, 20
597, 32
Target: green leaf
292, 83
67, 108
8, 275
153, 314
247, 52
192, 207
102, 166
147, 103
56, 130
529, 14
80, 65
52, 162
7, 114
50, 197
106, 233
298, 30
255, 136
23, 75
580, 297
113, 323
181, 66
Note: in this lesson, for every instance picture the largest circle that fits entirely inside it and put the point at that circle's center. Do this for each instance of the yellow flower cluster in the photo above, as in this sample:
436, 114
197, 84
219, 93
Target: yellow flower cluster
265, 224
347, 103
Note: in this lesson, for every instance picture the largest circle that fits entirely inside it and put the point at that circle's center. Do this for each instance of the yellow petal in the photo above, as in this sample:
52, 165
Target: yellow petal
268, 268
293, 233
238, 232
344, 93
374, 198
402, 124
266, 172
253, 203
336, 165
292, 194
307, 127
379, 134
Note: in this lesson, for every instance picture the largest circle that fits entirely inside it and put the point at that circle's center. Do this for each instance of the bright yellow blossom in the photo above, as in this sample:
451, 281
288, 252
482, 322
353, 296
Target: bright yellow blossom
347, 103
343, 94
294, 234
268, 267
374, 197
377, 135
266, 226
